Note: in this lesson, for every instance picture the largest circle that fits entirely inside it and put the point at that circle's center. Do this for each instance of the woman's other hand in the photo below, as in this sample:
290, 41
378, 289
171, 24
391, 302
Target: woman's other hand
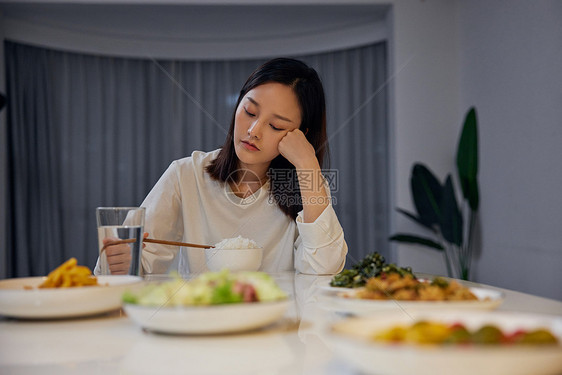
298, 151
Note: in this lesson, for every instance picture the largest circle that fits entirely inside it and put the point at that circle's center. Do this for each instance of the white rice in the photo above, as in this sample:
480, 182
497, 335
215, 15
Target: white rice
237, 243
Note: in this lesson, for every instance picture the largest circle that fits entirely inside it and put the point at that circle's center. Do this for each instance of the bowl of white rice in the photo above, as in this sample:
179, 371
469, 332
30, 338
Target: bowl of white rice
234, 254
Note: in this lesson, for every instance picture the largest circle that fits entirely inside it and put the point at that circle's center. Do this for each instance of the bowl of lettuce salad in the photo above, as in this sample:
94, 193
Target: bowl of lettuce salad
213, 302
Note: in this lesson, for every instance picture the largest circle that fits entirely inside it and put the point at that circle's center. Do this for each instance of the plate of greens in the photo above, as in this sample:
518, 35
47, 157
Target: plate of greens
372, 265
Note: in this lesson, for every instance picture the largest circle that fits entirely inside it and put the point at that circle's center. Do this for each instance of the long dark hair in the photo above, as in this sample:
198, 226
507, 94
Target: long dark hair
308, 88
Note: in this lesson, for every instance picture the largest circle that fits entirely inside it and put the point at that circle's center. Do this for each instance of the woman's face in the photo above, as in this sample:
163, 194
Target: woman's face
263, 117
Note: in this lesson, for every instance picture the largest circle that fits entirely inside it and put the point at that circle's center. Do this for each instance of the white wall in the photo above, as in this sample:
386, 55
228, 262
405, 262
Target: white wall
426, 108
511, 69
504, 57
509, 66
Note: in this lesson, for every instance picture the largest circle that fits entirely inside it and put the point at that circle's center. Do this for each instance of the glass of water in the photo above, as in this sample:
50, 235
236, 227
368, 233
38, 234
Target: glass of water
124, 226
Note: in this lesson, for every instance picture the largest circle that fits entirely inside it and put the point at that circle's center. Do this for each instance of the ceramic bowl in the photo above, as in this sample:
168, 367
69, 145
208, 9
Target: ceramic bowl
233, 259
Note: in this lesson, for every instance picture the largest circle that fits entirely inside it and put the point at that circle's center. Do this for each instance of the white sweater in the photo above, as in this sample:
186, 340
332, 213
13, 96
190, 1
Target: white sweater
187, 205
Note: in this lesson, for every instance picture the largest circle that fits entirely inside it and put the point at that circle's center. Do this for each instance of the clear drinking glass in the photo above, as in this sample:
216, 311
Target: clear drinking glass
121, 223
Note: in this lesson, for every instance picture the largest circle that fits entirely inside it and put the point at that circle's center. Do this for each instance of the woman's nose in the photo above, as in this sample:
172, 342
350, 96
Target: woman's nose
255, 130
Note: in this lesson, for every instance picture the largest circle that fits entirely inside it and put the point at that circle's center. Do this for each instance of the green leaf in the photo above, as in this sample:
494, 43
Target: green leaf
467, 159
451, 220
415, 219
223, 293
129, 297
408, 238
426, 193
473, 196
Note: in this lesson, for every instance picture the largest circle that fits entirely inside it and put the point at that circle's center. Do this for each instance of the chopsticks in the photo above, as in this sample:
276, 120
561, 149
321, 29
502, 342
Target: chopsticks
152, 240
174, 243
117, 242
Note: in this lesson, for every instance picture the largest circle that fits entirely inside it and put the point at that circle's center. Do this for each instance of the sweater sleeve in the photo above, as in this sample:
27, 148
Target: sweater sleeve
163, 220
320, 246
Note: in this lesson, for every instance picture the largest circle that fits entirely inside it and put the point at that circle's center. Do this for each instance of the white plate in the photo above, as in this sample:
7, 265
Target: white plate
334, 289
488, 299
350, 339
207, 319
48, 303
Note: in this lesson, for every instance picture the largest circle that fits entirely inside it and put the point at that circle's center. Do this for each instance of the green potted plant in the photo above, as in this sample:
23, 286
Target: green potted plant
452, 226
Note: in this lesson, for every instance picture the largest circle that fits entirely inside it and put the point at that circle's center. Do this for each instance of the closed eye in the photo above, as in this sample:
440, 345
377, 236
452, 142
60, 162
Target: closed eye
275, 128
248, 113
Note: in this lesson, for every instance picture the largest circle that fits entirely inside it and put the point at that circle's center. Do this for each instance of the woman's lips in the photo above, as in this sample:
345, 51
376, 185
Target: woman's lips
249, 146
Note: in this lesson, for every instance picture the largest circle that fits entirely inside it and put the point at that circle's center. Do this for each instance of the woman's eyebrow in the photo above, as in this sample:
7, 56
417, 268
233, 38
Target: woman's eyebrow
274, 115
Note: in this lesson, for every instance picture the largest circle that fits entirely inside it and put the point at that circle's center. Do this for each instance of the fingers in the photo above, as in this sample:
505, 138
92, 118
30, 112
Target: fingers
293, 134
295, 138
119, 255
118, 258
297, 149
145, 235
119, 269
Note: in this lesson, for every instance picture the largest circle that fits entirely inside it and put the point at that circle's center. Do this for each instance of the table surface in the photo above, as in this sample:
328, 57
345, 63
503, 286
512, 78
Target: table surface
112, 344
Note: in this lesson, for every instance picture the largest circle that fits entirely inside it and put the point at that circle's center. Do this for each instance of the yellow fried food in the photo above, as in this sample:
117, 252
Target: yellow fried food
68, 275
406, 288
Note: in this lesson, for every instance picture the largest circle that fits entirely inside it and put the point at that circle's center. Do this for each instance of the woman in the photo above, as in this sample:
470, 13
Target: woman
265, 183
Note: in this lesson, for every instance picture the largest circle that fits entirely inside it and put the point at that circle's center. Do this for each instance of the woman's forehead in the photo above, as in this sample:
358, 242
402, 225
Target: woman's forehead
277, 98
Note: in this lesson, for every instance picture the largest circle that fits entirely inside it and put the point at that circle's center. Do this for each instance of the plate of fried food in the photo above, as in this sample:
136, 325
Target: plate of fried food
373, 285
395, 291
68, 291
450, 342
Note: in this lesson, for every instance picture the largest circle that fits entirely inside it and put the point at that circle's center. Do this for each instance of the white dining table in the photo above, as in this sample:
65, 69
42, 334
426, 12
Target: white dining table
111, 343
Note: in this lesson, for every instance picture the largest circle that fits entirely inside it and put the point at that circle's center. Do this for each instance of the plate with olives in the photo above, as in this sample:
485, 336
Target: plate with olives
450, 342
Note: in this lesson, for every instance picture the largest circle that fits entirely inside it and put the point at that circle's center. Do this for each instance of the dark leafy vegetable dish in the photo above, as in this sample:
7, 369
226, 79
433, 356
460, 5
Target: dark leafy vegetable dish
437, 333
372, 265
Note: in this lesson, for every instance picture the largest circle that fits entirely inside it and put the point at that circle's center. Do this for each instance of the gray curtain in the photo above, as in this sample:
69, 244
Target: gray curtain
87, 131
